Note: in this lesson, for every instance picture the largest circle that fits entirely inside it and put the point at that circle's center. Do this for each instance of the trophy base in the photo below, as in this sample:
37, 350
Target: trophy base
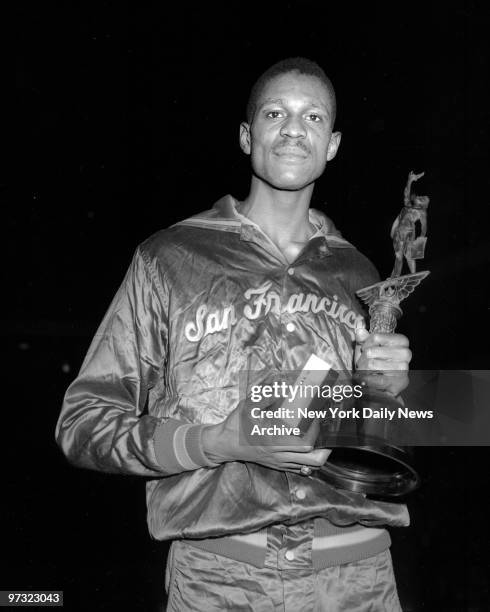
365, 457
375, 471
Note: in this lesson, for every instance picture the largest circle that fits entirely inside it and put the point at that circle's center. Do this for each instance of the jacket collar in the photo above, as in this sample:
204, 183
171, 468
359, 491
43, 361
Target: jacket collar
225, 217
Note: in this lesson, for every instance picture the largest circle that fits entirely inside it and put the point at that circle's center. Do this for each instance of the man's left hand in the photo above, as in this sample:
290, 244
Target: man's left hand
387, 354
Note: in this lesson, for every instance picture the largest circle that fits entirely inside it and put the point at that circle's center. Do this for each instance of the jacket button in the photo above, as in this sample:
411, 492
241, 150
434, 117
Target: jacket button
290, 271
289, 555
290, 327
300, 493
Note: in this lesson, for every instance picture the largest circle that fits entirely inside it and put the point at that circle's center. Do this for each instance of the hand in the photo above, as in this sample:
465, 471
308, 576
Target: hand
223, 442
386, 354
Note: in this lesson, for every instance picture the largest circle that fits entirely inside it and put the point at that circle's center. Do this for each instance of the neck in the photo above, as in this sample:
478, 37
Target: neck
282, 215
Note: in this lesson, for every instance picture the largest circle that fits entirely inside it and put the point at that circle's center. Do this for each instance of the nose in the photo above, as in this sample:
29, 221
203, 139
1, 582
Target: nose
293, 127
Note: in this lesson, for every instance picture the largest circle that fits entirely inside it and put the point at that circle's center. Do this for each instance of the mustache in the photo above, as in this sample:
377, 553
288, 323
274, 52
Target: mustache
288, 145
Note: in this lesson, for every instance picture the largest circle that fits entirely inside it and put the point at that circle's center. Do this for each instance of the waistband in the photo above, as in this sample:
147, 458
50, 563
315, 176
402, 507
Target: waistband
331, 545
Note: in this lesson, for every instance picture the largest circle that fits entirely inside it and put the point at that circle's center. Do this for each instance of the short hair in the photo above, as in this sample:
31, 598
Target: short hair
291, 64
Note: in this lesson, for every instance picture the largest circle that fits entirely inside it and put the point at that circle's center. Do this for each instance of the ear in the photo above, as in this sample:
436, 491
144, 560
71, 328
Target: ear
245, 137
333, 145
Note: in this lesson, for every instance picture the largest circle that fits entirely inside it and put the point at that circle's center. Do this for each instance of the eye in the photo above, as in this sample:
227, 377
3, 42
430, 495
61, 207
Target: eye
273, 114
314, 117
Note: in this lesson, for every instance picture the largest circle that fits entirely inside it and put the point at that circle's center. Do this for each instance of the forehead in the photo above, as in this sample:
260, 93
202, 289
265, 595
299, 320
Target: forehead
293, 87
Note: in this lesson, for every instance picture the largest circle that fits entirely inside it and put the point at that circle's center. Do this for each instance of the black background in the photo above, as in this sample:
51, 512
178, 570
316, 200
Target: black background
127, 121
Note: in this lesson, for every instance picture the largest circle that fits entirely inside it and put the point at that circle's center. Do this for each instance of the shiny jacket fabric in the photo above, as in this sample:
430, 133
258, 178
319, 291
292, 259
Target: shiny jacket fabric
202, 301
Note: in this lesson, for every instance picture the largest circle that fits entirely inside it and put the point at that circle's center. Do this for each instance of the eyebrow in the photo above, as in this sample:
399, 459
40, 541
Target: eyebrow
281, 101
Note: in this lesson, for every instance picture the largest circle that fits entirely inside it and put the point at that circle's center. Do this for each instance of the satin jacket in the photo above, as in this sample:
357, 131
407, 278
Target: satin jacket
202, 301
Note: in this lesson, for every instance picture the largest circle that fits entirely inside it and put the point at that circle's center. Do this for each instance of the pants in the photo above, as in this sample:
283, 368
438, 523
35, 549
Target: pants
200, 581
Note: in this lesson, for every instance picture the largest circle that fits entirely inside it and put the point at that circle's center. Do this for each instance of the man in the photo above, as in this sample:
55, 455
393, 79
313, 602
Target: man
257, 286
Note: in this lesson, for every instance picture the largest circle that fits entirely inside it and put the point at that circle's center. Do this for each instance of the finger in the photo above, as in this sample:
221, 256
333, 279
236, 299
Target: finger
326, 454
383, 365
364, 364
280, 447
373, 380
314, 459
291, 467
283, 467
381, 339
393, 381
394, 353
317, 457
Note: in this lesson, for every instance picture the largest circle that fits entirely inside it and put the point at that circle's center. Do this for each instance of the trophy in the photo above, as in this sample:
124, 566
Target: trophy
374, 465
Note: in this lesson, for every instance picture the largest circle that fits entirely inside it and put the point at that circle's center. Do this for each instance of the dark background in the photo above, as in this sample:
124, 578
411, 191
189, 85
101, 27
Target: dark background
127, 121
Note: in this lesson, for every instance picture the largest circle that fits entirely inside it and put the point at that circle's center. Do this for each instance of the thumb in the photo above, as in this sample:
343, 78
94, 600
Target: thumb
321, 454
361, 333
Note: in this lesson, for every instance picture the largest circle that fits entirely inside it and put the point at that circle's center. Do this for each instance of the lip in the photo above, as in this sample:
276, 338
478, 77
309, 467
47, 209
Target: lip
291, 153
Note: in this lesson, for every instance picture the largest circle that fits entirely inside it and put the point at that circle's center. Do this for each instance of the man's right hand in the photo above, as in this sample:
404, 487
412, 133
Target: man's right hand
222, 443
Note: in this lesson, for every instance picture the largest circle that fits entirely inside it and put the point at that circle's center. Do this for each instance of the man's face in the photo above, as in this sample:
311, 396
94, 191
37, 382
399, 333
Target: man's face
290, 139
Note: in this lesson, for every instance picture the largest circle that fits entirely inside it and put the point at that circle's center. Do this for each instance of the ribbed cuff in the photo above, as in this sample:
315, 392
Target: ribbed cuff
178, 447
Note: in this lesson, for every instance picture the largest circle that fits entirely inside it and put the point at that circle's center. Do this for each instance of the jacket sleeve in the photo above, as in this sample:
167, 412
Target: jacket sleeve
103, 424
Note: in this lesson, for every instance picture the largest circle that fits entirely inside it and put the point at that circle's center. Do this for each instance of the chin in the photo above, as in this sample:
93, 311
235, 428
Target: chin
286, 179
284, 187
291, 183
